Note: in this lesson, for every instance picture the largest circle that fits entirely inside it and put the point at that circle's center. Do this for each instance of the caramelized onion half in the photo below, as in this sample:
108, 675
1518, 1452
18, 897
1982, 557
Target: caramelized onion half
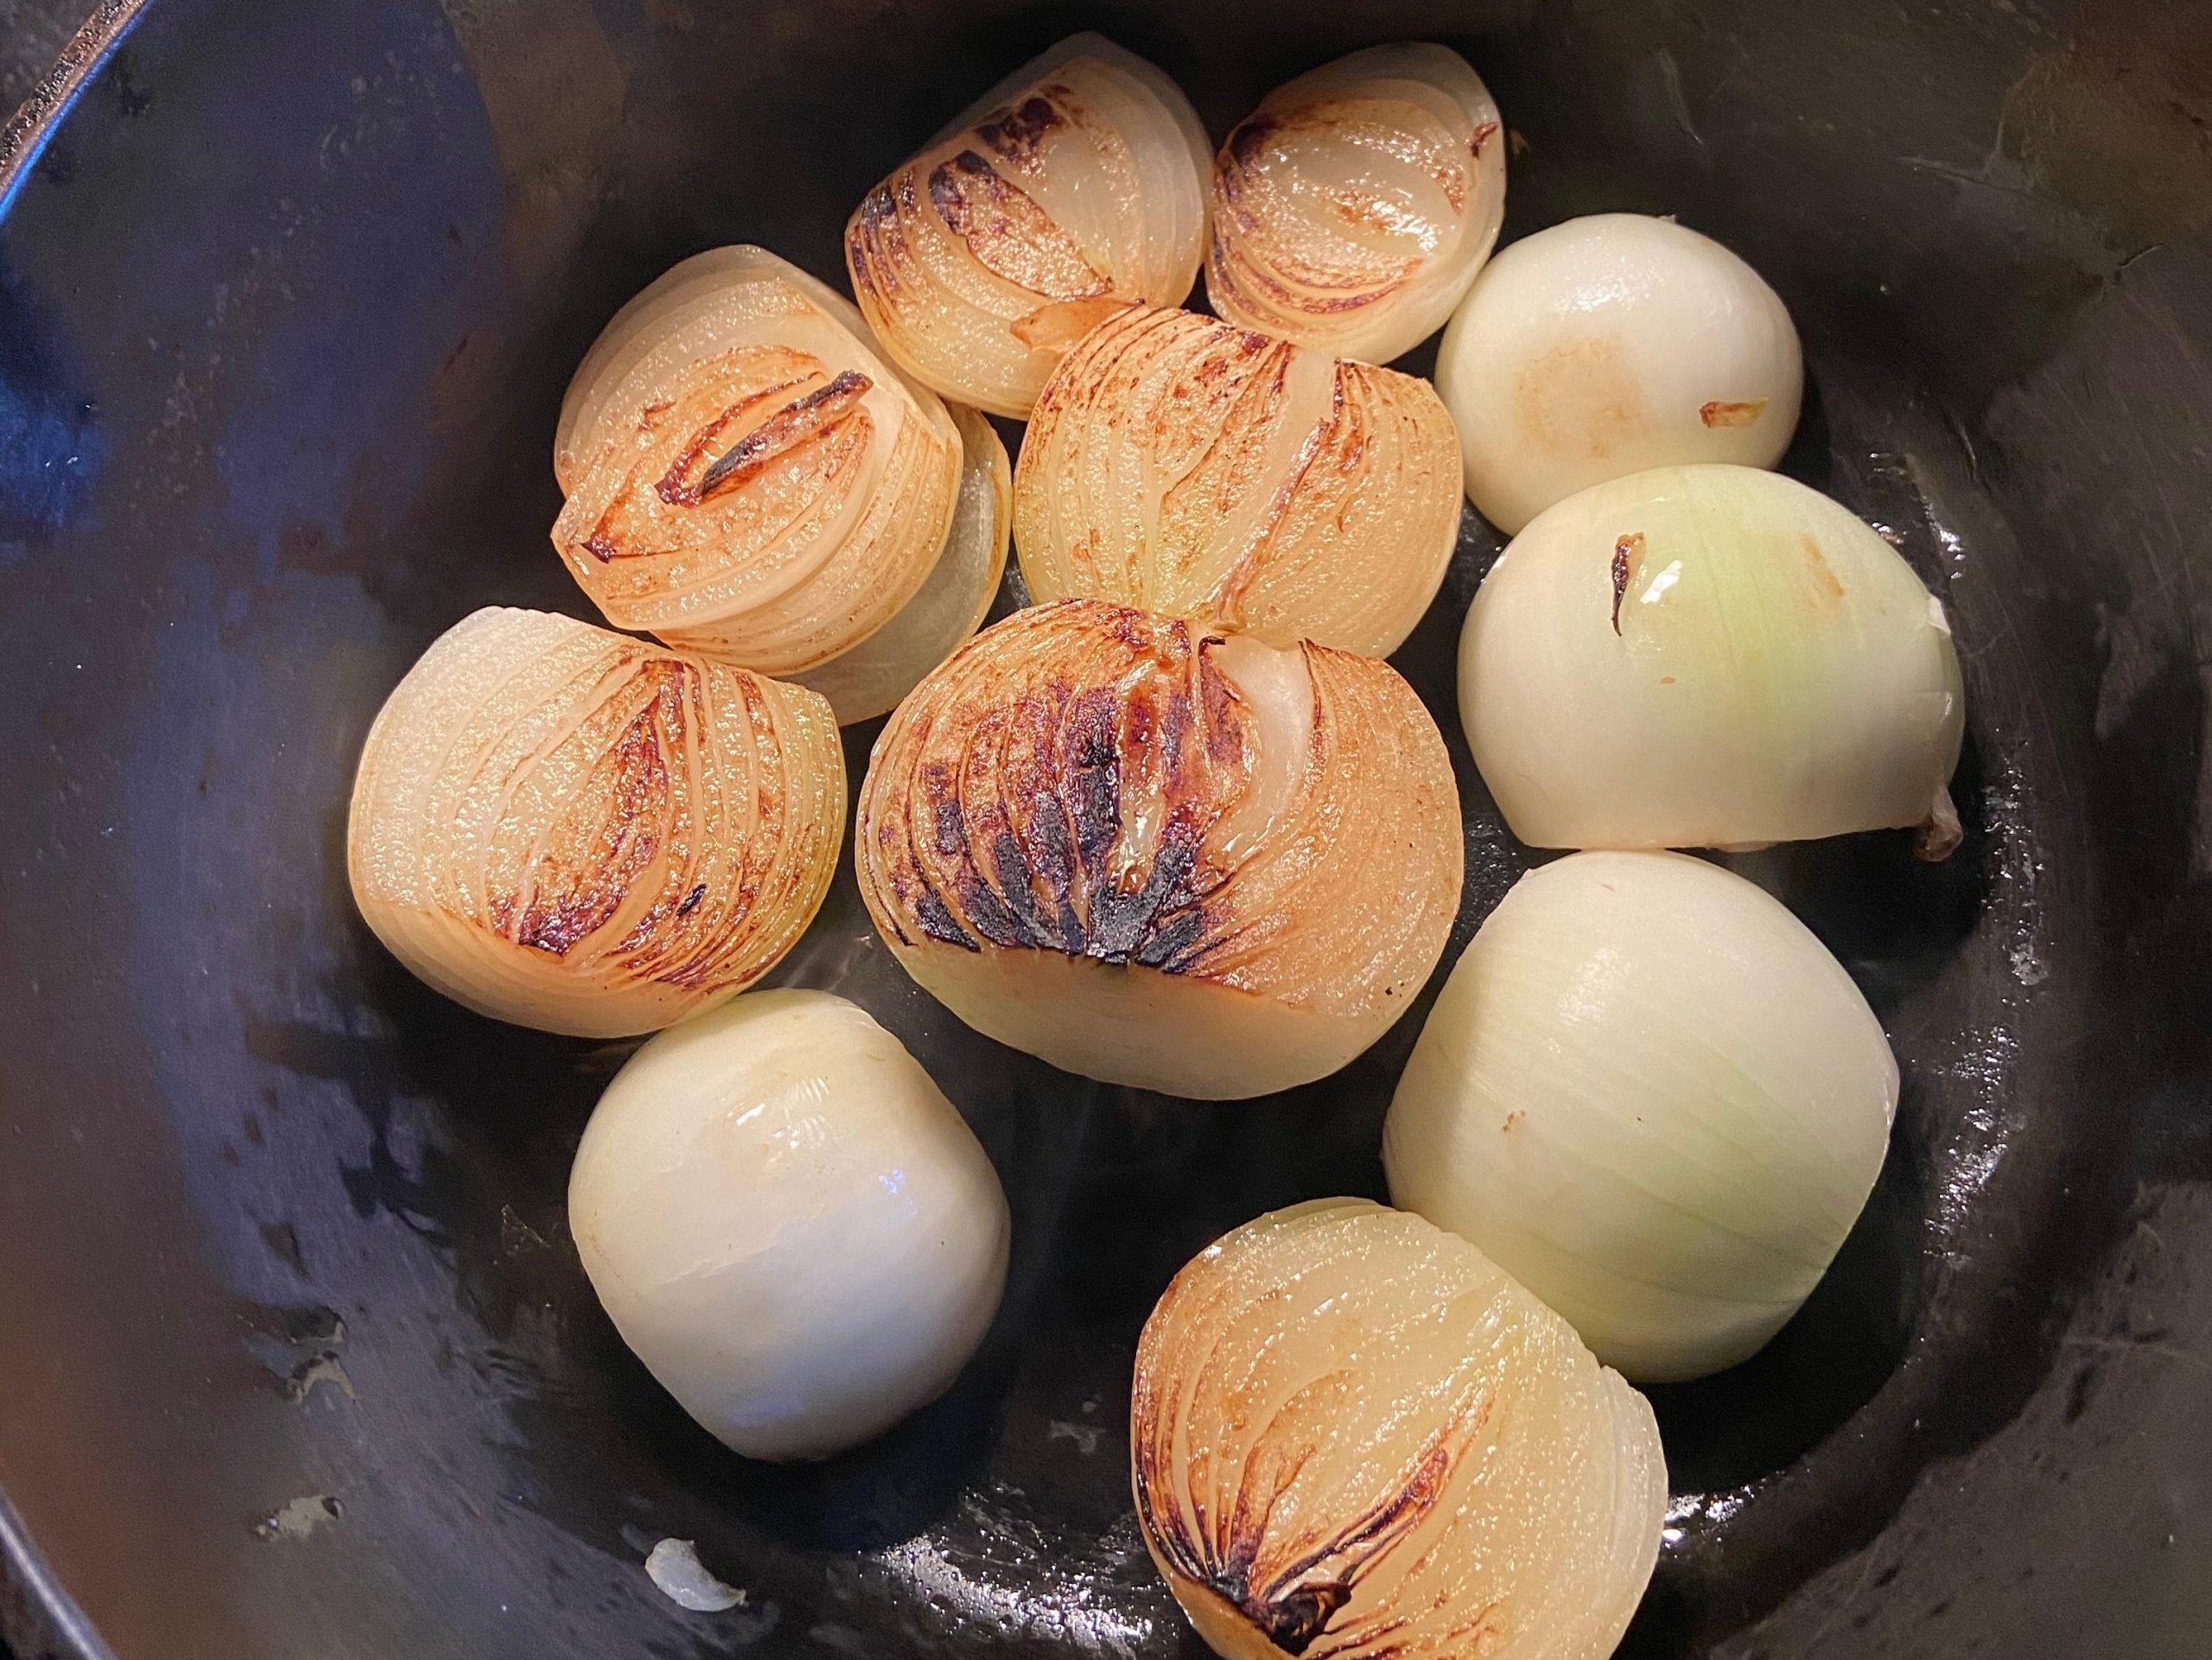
1161, 858
1178, 464
747, 477
1352, 1437
870, 679
1075, 187
1354, 206
575, 831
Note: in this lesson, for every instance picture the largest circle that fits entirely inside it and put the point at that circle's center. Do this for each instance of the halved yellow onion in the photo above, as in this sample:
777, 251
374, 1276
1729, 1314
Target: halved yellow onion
1160, 857
870, 679
1352, 1435
579, 831
1075, 187
747, 477
1178, 464
1710, 656
1352, 209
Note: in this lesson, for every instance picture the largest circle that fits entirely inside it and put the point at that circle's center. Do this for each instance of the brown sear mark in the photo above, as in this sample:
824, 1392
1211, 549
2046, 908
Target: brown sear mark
799, 422
1627, 553
1512, 1118
1482, 136
1719, 413
1013, 134
1826, 589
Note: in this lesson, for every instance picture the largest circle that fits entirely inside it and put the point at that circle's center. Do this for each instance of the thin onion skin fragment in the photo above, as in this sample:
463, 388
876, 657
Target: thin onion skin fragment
1709, 657
576, 830
1178, 464
1159, 857
1351, 1434
1353, 208
1610, 345
1073, 189
747, 476
789, 1223
1649, 1093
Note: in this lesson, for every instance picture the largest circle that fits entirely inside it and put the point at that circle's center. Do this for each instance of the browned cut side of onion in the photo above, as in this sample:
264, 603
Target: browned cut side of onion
1353, 1437
575, 831
747, 477
1159, 857
1352, 209
1074, 188
1178, 464
869, 679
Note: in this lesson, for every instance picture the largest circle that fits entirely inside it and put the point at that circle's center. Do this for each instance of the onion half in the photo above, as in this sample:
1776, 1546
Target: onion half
1074, 188
870, 679
1651, 1096
1352, 1436
1178, 464
789, 1223
1610, 345
1354, 206
746, 478
1709, 657
1161, 858
575, 831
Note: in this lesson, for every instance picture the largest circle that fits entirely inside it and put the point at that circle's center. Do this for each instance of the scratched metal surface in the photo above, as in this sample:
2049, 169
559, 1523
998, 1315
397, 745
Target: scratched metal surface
295, 1354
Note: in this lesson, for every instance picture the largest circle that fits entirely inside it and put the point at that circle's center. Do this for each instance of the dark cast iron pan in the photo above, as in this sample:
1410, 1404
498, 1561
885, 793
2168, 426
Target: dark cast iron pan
295, 1356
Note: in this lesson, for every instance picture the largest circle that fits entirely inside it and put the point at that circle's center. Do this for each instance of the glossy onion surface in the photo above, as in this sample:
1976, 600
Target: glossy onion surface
1354, 1438
1354, 206
1178, 464
1160, 857
1651, 1096
789, 1223
579, 831
1074, 188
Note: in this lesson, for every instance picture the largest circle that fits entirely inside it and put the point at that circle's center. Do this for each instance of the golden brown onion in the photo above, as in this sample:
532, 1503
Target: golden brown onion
1075, 187
1353, 1437
869, 679
1352, 209
1160, 856
576, 830
1180, 465
747, 477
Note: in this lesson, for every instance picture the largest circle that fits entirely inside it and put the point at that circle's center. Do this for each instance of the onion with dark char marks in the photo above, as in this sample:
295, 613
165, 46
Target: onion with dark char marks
1162, 856
1181, 465
751, 479
1352, 1437
1354, 206
1072, 189
580, 832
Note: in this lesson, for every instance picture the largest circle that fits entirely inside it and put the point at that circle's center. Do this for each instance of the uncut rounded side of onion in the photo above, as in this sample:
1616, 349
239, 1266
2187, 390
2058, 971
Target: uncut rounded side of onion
1653, 1097
789, 1223
1709, 656
1609, 345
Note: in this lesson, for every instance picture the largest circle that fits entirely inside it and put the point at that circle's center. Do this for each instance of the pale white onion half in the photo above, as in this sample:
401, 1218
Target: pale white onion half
1178, 464
1161, 858
747, 476
579, 831
1354, 206
869, 679
1075, 187
1352, 1435
789, 1223
1709, 657
1651, 1096
1609, 345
